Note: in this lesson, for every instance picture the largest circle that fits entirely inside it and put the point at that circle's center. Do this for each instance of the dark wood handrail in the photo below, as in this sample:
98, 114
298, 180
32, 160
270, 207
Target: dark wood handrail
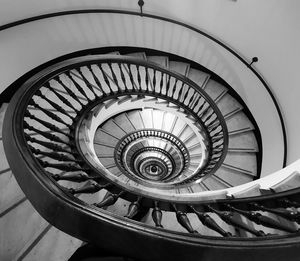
58, 205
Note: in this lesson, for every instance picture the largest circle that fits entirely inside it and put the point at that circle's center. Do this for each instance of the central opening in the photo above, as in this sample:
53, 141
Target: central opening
154, 169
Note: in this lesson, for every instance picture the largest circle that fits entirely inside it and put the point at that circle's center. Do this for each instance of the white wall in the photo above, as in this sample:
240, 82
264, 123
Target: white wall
268, 29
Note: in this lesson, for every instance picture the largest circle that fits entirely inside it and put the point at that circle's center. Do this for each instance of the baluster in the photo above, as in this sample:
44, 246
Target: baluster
213, 125
47, 135
114, 77
122, 76
201, 107
87, 83
193, 96
173, 89
154, 80
183, 220
292, 215
61, 98
49, 145
48, 125
208, 221
53, 104
75, 177
109, 199
131, 77
53, 155
147, 80
288, 203
60, 166
205, 114
229, 219
77, 86
263, 220
168, 81
161, 84
186, 94
105, 77
209, 117
195, 100
180, 90
157, 215
89, 188
139, 78
69, 91
96, 79
196, 103
134, 208
49, 113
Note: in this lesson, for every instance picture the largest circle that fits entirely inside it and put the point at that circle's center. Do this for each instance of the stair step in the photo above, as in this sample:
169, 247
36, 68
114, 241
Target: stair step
157, 119
54, 245
19, 226
111, 102
199, 77
243, 162
227, 104
140, 55
243, 142
214, 184
123, 121
179, 67
103, 136
124, 99
291, 182
252, 191
135, 119
160, 60
215, 90
10, 192
233, 177
111, 127
239, 124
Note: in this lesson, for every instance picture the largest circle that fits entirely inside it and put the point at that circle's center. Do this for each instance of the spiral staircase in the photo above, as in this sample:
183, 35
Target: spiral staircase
144, 155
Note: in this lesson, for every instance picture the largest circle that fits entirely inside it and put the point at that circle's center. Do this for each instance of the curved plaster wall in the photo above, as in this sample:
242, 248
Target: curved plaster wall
54, 36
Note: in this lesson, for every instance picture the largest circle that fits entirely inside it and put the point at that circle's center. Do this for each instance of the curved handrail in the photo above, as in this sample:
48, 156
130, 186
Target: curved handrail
213, 38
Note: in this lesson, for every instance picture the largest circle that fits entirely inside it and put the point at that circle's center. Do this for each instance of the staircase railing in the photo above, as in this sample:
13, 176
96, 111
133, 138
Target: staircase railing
40, 138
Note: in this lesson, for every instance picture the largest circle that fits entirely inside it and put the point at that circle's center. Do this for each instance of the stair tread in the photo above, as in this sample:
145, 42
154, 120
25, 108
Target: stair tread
103, 136
215, 90
248, 192
179, 67
228, 104
239, 123
245, 162
213, 184
135, 119
19, 226
141, 55
291, 182
245, 140
160, 60
10, 191
232, 176
54, 245
123, 121
198, 77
